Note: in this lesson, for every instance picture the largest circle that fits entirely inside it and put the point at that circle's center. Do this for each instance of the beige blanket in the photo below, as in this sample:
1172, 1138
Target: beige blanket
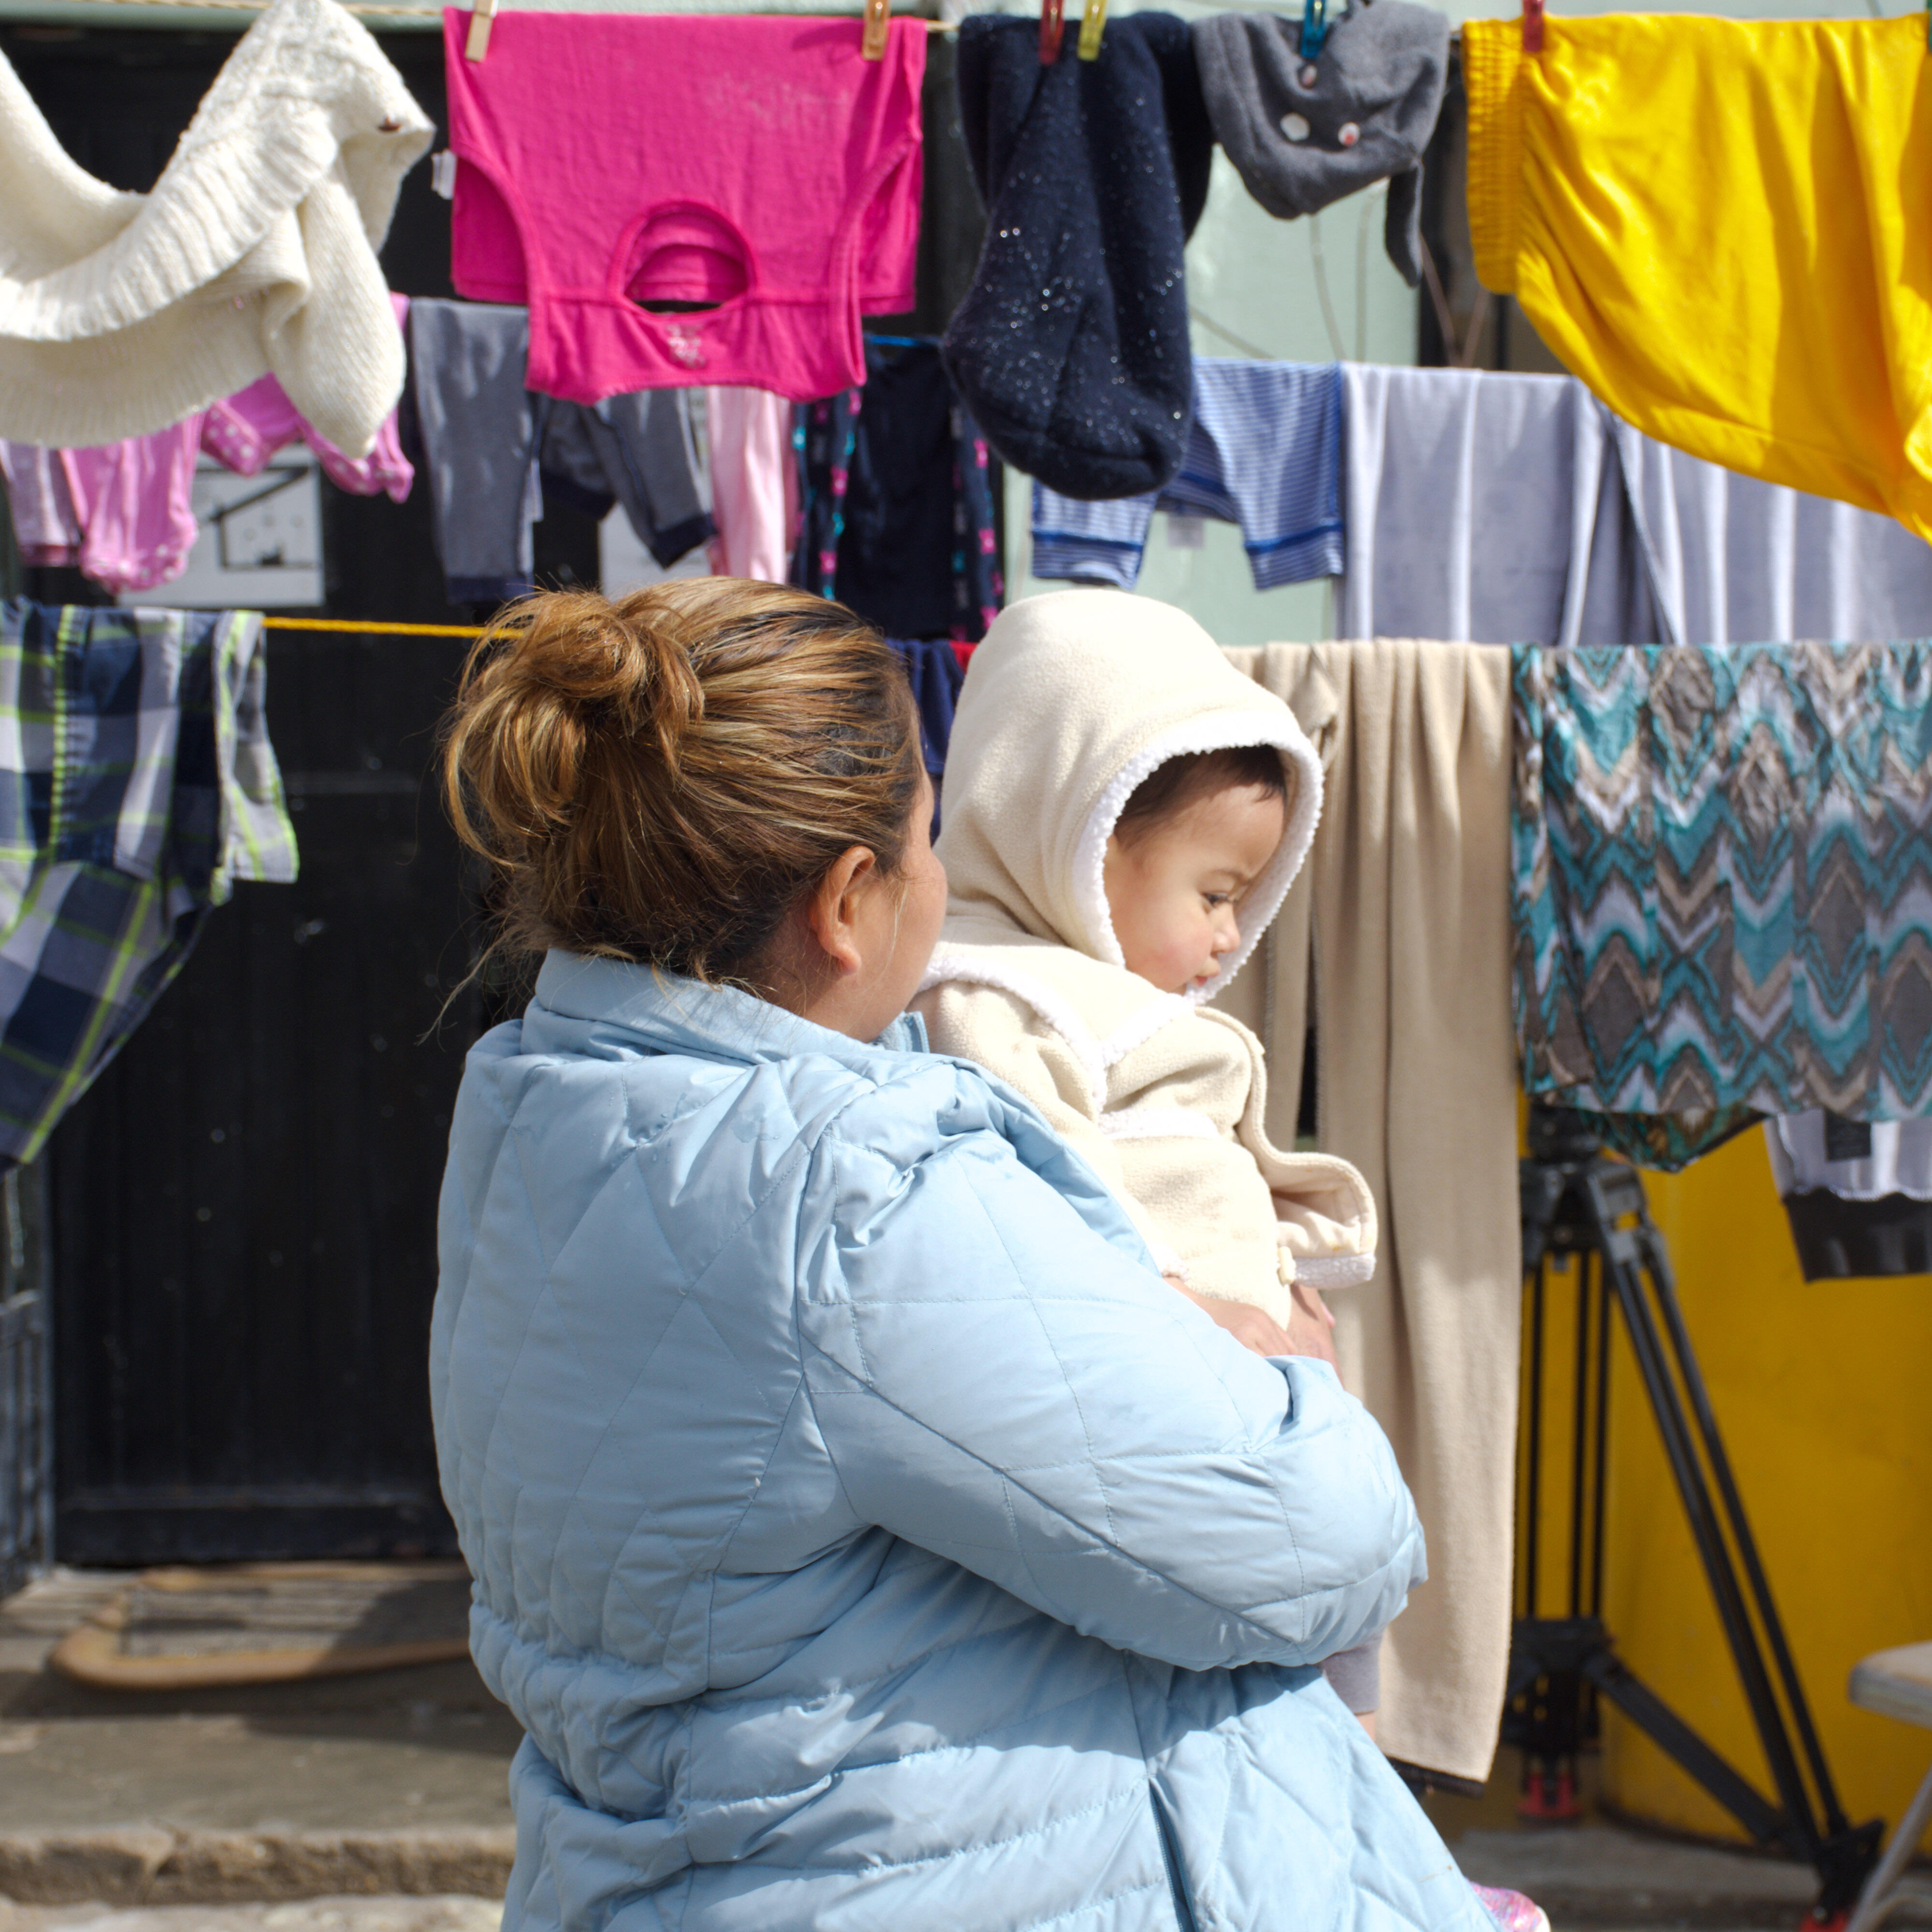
1407, 895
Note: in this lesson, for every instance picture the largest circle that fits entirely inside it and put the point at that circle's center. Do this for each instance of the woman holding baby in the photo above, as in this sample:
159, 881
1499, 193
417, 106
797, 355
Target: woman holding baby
877, 1518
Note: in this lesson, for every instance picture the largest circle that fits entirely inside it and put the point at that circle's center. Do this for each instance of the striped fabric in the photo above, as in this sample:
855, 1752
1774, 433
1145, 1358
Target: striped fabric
136, 783
1091, 543
1263, 450
1722, 888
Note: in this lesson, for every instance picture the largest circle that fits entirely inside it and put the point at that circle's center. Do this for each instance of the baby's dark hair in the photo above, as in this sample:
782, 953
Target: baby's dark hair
1172, 787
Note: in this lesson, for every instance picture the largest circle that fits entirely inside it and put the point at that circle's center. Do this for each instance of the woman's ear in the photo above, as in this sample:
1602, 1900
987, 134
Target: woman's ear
831, 913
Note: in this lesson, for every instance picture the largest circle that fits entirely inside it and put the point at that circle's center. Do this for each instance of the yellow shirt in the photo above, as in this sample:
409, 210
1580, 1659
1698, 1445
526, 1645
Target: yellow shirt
1724, 227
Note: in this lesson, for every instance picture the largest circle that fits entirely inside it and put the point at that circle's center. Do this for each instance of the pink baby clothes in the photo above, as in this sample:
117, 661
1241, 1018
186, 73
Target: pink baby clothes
45, 527
124, 512
134, 502
759, 165
247, 428
130, 520
753, 483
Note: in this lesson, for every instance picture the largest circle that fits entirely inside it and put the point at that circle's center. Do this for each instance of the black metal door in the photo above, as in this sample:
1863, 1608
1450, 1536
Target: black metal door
26, 1430
245, 1203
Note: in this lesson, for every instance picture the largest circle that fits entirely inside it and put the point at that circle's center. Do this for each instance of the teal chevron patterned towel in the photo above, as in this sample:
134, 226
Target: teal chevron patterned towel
1722, 884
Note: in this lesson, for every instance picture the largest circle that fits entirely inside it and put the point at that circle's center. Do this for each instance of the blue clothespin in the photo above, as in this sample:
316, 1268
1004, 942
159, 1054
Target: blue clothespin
1315, 27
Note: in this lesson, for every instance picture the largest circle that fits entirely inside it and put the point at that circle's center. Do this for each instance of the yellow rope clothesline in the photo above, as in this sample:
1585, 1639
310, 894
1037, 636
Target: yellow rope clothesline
363, 623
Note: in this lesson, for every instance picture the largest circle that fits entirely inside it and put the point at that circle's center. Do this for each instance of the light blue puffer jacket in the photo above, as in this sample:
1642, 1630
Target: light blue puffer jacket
867, 1538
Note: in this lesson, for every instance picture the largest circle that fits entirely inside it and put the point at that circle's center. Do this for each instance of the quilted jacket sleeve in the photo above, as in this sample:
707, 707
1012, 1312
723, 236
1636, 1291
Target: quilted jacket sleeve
999, 1382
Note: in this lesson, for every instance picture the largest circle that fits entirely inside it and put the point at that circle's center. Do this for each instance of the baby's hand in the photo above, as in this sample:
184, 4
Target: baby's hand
1310, 1327
1248, 1325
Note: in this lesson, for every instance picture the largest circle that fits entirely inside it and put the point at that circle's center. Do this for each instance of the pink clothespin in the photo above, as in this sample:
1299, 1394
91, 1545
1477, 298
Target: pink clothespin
482, 13
878, 23
1052, 14
1532, 26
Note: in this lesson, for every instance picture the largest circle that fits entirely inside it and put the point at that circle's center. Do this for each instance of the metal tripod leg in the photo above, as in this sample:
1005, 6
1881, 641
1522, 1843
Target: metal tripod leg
1577, 1205
1651, 1714
1633, 1254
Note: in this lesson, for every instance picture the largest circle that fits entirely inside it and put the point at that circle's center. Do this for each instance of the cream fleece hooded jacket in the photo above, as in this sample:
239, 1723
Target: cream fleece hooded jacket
1072, 699
122, 313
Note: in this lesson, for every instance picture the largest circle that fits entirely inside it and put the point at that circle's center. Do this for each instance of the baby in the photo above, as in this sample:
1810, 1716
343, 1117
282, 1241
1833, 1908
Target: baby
1122, 815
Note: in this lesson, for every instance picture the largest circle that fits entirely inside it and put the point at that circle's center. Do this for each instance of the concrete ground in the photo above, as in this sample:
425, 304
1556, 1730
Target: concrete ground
448, 1913
378, 1804
393, 1782
1596, 1873
1601, 1872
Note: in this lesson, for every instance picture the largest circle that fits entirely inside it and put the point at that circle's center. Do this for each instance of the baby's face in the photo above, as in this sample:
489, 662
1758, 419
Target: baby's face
1175, 891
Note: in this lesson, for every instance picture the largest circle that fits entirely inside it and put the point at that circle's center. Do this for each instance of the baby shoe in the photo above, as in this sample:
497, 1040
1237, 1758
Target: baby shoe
1512, 1911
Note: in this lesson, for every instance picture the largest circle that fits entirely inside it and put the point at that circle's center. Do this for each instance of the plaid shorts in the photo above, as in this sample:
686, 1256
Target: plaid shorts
136, 783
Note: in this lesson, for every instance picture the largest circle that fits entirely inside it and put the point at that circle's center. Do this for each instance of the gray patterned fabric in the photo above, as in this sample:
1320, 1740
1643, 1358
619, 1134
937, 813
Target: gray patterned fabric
487, 439
1304, 133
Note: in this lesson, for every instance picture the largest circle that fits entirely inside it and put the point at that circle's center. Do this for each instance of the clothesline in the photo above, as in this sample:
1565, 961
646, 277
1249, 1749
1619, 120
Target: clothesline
260, 6
363, 624
370, 6
433, 13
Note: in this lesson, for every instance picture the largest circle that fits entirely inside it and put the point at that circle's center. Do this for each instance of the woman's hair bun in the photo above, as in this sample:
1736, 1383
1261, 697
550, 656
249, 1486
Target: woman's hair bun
611, 668
658, 779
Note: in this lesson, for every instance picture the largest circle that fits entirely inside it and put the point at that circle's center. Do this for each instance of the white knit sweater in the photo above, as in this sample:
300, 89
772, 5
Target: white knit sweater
122, 313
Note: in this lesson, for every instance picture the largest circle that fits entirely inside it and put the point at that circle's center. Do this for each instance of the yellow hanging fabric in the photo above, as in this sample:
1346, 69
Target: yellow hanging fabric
1723, 227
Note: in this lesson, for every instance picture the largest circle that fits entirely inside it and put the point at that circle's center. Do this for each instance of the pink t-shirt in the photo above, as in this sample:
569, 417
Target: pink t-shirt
761, 166
754, 483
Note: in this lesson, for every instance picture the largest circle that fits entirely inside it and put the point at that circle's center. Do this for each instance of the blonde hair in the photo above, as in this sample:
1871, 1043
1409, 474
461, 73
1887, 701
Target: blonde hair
660, 779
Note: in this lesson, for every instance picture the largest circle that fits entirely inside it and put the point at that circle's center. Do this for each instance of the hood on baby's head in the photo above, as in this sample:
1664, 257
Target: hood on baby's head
1072, 700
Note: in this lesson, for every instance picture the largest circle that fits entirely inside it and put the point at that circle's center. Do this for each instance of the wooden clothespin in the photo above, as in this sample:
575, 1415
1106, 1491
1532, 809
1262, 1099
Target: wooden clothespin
1051, 14
1093, 24
878, 25
482, 13
1532, 26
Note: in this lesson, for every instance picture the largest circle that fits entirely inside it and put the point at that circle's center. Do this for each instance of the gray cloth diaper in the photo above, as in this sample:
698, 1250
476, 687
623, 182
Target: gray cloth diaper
1305, 133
